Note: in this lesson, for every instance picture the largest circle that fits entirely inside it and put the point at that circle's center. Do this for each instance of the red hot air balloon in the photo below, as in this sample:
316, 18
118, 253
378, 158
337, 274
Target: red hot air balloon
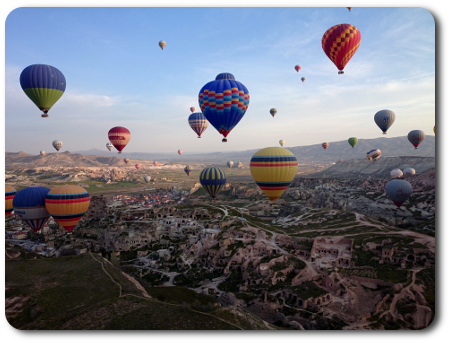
297, 68
138, 166
340, 43
155, 163
192, 109
180, 152
325, 145
119, 137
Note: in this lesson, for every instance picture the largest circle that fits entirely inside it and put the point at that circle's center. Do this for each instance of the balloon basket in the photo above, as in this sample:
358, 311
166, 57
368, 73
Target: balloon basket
340, 72
44, 115
224, 140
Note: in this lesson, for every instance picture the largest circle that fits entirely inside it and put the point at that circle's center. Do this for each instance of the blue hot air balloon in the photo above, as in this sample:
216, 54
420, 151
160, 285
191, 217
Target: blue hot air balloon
43, 84
213, 179
29, 206
384, 119
224, 102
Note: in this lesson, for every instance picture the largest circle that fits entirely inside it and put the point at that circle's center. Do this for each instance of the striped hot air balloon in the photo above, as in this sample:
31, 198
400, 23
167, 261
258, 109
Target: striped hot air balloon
273, 170
384, 119
188, 170
398, 191
43, 84
10, 192
29, 206
396, 173
57, 144
340, 43
162, 44
325, 145
373, 155
353, 141
198, 122
213, 179
126, 160
416, 137
119, 137
67, 204
273, 111
409, 172
137, 166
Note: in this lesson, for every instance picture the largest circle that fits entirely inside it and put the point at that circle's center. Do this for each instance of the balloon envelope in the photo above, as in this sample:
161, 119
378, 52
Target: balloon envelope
281, 142
126, 160
230, 164
416, 137
273, 111
67, 204
297, 68
138, 166
147, 178
42, 152
353, 141
398, 191
43, 84
409, 172
10, 192
273, 170
213, 179
180, 152
155, 163
109, 146
188, 170
119, 137
340, 43
57, 145
325, 145
373, 155
198, 123
192, 109
29, 206
224, 102
162, 44
303, 79
384, 119
396, 173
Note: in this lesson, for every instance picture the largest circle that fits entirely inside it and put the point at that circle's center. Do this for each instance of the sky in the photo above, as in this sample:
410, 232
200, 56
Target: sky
117, 75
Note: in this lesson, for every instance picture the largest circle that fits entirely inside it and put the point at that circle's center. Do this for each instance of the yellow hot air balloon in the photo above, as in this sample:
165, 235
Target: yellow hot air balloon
273, 170
162, 44
9, 196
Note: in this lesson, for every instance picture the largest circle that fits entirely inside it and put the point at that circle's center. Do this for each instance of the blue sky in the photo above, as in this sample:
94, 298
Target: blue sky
117, 75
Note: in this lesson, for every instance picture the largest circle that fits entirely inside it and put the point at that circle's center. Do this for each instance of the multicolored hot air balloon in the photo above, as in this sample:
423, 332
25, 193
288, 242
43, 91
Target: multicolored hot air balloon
137, 166
416, 137
396, 173
42, 152
373, 155
180, 152
303, 79
162, 44
384, 119
273, 111
119, 137
230, 164
325, 145
147, 178
192, 109
353, 141
188, 170
155, 163
409, 172
281, 142
29, 206
224, 102
198, 123
398, 191
57, 145
10, 192
67, 204
298, 67
43, 84
109, 146
273, 170
340, 43
213, 179
126, 160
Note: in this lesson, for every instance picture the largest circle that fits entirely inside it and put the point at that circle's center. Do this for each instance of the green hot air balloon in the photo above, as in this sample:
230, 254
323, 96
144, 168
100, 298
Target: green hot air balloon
353, 141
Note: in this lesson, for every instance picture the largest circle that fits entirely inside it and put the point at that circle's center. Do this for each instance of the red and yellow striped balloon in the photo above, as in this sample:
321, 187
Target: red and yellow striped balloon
9, 196
67, 204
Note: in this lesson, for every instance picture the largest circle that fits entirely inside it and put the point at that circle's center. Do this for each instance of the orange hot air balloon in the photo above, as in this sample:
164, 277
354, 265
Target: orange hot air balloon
180, 152
192, 109
340, 43
325, 145
9, 196
349, 9
138, 166
67, 204
126, 160
155, 163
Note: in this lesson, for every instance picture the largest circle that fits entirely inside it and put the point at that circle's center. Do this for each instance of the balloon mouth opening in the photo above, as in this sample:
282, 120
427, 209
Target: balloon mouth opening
340, 72
44, 115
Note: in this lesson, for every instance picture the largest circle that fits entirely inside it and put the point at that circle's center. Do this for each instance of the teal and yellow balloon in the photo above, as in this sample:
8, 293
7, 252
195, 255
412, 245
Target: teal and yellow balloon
273, 170
353, 141
213, 179
43, 84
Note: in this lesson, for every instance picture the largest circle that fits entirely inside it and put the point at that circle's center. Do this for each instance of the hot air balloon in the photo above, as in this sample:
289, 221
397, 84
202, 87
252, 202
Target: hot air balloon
224, 102
9, 196
281, 142
162, 44
396, 173
416, 137
138, 166
353, 141
192, 109
109, 146
434, 127
273, 111
198, 123
325, 145
230, 164
119, 137
349, 9
384, 119
188, 170
67, 204
373, 155
340, 43
398, 191
180, 152
409, 172
147, 178
303, 79
42, 152
126, 160
29, 206
57, 145
273, 170
297, 68
155, 163
213, 179
43, 84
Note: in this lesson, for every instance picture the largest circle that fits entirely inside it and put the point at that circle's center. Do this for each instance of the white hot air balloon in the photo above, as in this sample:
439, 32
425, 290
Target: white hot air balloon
282, 142
57, 145
230, 164
396, 173
409, 172
109, 146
